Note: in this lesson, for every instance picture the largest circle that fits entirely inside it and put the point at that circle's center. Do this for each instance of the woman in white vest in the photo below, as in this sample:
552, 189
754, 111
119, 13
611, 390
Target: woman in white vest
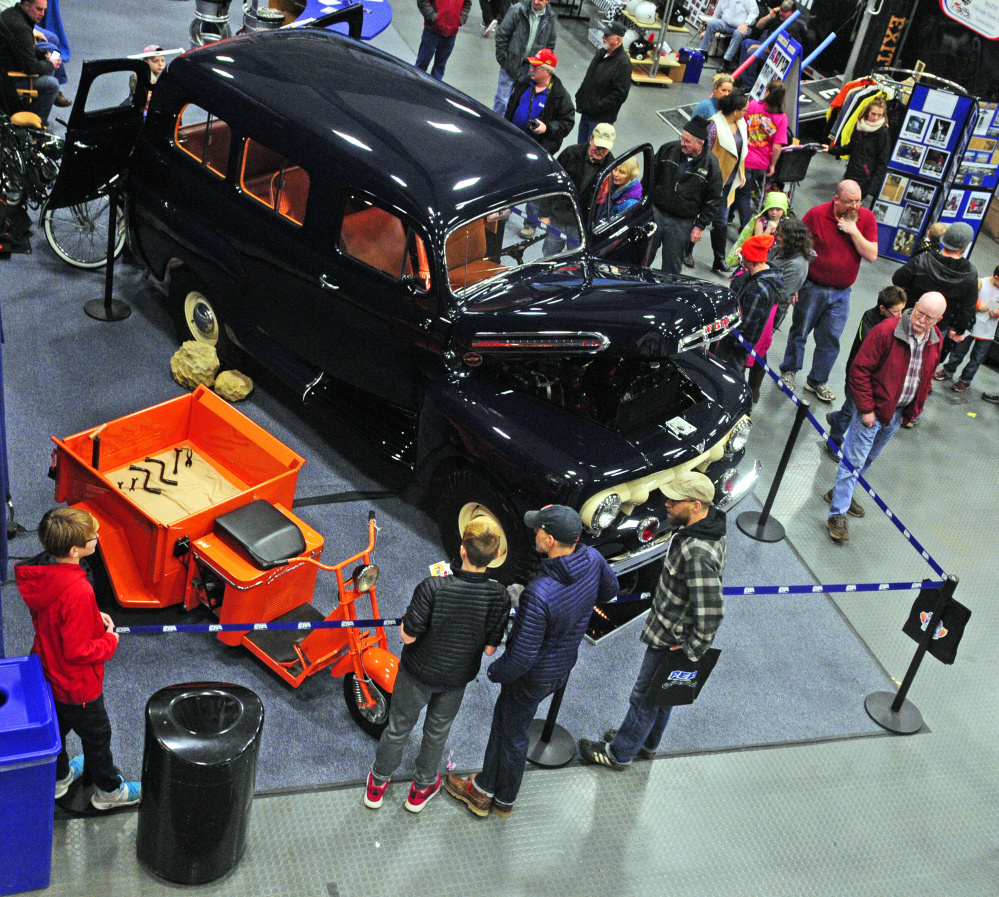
728, 140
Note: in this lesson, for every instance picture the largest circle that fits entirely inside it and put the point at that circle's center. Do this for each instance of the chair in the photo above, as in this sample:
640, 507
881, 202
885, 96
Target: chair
26, 94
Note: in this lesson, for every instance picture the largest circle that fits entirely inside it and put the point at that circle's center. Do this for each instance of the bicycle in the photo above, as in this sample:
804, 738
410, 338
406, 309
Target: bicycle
78, 234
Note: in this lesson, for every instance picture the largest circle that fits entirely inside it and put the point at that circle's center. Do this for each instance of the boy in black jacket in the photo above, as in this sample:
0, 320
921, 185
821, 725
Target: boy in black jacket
448, 625
758, 290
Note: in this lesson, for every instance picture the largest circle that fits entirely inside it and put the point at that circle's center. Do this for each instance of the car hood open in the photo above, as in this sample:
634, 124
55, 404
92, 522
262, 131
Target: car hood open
589, 308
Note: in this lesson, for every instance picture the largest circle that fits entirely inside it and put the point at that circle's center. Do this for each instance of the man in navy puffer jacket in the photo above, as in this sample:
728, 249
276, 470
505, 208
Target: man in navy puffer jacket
541, 650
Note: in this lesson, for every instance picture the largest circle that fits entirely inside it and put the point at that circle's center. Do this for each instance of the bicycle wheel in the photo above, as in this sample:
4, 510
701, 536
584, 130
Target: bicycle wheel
78, 234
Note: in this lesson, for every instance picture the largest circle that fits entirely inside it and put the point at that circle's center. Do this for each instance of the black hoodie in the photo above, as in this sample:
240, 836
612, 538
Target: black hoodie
956, 278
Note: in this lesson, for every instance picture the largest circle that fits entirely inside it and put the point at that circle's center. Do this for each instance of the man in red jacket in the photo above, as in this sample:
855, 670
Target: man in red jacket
74, 639
889, 381
441, 21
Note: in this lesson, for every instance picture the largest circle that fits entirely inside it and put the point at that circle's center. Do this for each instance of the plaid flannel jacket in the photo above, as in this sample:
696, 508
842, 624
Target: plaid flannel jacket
688, 605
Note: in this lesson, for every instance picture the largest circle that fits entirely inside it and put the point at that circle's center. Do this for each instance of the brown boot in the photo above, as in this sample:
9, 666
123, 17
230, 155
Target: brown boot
755, 378
465, 791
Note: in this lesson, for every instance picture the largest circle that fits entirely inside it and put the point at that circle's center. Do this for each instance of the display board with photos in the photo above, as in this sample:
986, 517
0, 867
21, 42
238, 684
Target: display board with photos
782, 63
979, 165
935, 132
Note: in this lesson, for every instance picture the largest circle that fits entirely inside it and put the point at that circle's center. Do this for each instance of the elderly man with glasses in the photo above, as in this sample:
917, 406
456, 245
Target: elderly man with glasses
889, 382
843, 234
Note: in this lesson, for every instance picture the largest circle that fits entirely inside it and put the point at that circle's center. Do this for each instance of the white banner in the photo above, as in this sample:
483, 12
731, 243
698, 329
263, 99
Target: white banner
978, 15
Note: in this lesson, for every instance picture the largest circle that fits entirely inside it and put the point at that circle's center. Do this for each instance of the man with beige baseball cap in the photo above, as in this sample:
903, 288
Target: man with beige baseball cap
687, 610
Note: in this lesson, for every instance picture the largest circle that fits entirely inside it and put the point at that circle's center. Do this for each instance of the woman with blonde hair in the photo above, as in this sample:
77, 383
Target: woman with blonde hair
624, 191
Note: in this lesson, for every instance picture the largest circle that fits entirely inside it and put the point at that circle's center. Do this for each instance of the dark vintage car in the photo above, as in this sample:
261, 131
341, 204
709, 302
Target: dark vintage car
398, 253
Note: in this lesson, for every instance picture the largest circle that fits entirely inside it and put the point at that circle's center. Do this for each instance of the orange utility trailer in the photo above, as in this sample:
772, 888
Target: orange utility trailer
193, 500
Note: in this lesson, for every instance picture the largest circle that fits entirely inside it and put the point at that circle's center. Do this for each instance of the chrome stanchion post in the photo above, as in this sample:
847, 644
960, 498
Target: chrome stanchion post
759, 525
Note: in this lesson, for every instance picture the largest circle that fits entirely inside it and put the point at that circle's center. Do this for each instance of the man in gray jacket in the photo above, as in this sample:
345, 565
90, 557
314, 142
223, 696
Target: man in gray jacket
528, 27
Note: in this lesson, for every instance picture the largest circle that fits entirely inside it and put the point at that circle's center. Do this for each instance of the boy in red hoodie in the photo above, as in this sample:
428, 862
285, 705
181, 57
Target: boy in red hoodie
441, 21
73, 639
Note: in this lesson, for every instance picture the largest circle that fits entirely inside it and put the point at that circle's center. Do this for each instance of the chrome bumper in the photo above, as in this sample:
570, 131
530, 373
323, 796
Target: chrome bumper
744, 485
632, 560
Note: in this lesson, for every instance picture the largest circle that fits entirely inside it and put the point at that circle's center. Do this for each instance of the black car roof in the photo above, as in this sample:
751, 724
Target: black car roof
423, 146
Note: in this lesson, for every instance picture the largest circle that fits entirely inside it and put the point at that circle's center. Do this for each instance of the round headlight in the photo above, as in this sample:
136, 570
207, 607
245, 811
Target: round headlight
648, 529
606, 512
739, 436
364, 577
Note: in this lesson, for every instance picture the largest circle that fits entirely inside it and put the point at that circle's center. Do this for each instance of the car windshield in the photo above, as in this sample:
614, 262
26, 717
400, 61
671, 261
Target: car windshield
542, 229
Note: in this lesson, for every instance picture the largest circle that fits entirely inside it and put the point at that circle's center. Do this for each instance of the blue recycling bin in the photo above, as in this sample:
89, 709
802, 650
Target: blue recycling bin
694, 60
29, 745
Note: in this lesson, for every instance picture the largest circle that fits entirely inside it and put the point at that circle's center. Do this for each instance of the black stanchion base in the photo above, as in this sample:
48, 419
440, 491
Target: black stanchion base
76, 801
907, 721
552, 754
97, 309
749, 523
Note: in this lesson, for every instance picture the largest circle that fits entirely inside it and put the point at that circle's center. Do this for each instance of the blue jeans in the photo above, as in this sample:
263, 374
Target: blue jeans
437, 47
48, 89
509, 739
861, 448
586, 126
504, 87
841, 419
554, 244
746, 47
643, 726
824, 310
409, 697
714, 26
979, 349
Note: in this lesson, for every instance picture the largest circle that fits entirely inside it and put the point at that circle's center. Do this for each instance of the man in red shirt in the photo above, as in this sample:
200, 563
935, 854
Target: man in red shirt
889, 381
843, 233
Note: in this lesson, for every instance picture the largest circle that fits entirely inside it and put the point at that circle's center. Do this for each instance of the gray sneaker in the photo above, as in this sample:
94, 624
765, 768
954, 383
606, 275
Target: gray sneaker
823, 392
839, 529
992, 397
787, 378
125, 795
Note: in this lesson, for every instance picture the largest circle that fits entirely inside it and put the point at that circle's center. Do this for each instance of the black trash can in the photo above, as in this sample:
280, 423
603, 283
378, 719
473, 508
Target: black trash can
198, 771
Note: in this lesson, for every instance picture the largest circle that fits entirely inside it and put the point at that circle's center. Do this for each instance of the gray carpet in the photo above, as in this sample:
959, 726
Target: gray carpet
791, 669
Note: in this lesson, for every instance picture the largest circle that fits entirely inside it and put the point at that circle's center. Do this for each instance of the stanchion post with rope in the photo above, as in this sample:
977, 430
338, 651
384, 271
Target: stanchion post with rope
106, 308
759, 525
897, 713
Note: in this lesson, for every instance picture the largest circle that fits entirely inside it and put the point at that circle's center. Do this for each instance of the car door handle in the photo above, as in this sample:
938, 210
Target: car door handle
327, 284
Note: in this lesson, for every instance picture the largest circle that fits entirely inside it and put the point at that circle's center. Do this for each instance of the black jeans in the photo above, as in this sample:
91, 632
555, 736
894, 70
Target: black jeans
90, 722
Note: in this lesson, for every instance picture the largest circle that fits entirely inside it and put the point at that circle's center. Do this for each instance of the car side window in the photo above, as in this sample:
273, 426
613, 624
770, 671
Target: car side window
275, 181
381, 239
203, 137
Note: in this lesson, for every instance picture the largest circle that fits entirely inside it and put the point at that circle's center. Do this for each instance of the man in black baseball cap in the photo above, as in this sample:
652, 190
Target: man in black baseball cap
687, 194
541, 650
606, 84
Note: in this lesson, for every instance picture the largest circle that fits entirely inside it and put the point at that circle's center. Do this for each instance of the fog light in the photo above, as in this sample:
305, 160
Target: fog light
728, 480
648, 529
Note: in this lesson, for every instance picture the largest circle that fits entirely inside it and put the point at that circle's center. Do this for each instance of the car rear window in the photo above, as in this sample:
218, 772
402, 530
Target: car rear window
275, 181
203, 137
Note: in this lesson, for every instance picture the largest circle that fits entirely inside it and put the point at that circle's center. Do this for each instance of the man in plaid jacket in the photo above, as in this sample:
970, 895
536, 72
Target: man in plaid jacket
686, 612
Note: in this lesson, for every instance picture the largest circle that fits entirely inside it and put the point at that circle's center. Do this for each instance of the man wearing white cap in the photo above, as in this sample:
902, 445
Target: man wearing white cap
582, 162
687, 610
